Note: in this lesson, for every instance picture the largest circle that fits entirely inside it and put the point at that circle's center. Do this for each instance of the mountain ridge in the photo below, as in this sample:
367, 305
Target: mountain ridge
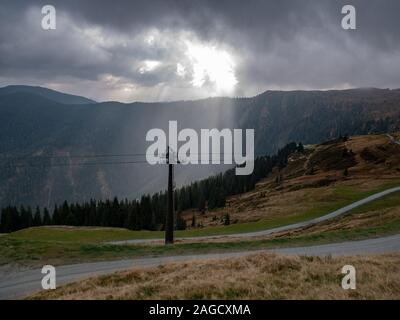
51, 94
34, 125
80, 99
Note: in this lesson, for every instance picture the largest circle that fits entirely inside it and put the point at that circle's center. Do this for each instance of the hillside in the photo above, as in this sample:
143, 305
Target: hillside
310, 186
318, 179
36, 126
46, 93
258, 276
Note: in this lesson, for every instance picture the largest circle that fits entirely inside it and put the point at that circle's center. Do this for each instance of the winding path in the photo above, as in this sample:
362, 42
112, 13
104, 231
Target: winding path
19, 284
302, 224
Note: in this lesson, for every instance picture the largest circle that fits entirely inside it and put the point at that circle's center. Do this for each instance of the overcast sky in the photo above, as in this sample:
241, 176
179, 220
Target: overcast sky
172, 50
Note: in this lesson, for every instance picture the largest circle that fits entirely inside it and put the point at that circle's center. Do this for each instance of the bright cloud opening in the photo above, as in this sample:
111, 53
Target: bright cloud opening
180, 70
149, 65
213, 65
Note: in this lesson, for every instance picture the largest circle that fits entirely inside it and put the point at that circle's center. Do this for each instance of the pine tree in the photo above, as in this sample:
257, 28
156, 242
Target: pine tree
46, 217
202, 202
150, 212
9, 220
56, 216
37, 219
64, 213
26, 217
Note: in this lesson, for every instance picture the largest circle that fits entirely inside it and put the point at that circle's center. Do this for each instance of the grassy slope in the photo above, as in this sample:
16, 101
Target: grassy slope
261, 276
67, 245
297, 201
341, 196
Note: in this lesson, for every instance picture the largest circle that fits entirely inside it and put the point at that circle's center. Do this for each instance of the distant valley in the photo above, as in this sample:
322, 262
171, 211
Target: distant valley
49, 139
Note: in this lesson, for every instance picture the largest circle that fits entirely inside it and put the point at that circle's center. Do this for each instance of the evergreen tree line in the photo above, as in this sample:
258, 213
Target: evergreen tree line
148, 212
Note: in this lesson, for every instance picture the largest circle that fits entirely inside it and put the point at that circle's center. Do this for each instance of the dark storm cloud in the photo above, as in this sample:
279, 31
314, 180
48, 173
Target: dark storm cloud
99, 45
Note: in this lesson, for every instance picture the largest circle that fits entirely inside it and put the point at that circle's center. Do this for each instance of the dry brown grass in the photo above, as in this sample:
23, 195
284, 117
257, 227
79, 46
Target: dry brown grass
360, 220
301, 191
258, 276
267, 203
363, 219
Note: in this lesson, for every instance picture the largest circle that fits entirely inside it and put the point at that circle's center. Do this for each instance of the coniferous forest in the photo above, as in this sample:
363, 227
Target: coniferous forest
148, 212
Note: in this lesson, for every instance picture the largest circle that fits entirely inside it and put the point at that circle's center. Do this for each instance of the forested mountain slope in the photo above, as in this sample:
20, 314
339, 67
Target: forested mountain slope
36, 126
